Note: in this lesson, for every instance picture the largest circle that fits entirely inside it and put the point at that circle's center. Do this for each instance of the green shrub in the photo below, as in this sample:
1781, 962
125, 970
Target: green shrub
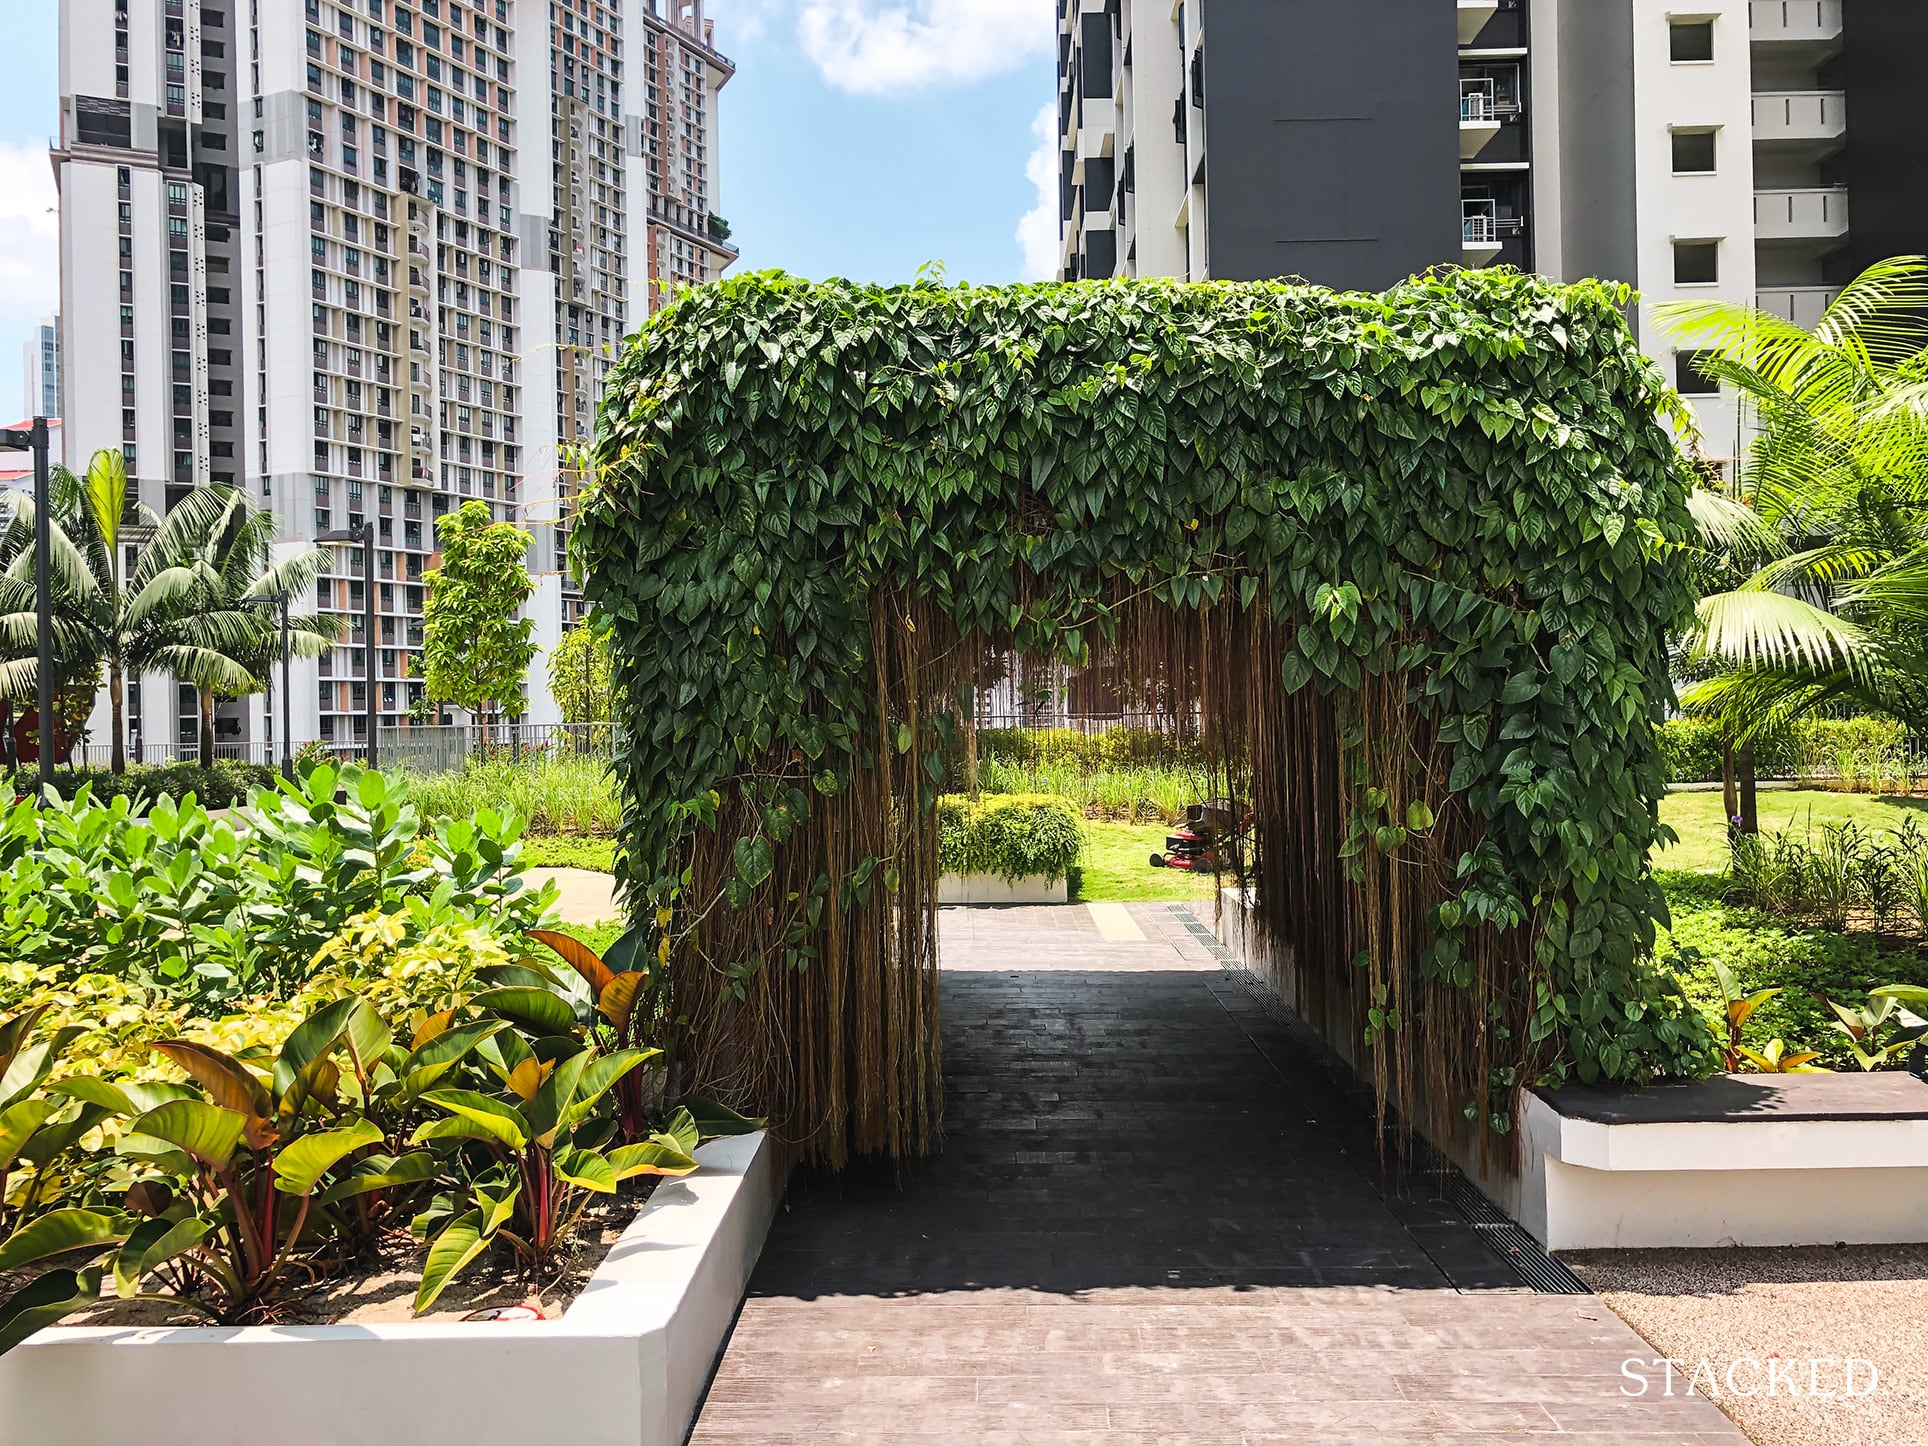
1115, 747
1690, 747
1833, 872
1130, 795
222, 786
193, 906
556, 793
1808, 965
1857, 754
1011, 835
1860, 755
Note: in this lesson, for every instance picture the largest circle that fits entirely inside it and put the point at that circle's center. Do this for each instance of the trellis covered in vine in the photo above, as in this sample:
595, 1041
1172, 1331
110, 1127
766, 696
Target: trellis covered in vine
1407, 563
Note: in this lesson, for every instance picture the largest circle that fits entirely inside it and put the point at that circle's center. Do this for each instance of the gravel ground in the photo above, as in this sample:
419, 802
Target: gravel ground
1799, 1305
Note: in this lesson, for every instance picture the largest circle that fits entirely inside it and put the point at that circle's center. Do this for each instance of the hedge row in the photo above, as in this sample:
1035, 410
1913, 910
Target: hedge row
222, 786
1852, 749
1114, 747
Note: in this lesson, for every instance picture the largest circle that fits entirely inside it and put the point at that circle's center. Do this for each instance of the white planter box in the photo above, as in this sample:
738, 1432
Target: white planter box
995, 889
1821, 1168
625, 1365
1734, 1160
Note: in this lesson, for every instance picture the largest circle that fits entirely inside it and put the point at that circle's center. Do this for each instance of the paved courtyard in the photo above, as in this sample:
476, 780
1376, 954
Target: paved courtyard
1154, 1219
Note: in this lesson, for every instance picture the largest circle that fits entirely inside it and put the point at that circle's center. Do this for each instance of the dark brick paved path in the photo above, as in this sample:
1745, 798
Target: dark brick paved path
1152, 1221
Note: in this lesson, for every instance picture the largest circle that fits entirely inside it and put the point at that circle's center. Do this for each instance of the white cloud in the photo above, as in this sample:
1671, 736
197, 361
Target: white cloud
744, 23
29, 257
882, 47
1039, 233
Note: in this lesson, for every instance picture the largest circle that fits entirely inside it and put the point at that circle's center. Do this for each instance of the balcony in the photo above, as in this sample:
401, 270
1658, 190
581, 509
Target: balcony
1473, 15
1479, 117
1806, 32
1802, 305
1479, 232
1816, 216
1810, 124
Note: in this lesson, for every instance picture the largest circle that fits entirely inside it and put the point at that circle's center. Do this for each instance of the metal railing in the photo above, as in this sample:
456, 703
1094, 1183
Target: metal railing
1479, 223
139, 751
418, 747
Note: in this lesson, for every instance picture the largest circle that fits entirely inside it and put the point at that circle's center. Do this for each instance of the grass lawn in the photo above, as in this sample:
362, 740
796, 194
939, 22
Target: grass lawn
574, 851
1117, 867
1697, 818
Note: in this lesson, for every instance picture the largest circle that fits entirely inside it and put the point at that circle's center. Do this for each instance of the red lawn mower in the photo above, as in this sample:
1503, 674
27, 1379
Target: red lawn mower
1212, 839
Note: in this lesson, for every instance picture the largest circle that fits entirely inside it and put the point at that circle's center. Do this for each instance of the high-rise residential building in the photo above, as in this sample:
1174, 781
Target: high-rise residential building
40, 368
370, 259
1695, 151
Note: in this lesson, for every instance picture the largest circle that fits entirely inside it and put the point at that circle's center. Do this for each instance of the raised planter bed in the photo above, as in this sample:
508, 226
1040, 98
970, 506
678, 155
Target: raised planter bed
625, 1365
995, 889
1756, 1159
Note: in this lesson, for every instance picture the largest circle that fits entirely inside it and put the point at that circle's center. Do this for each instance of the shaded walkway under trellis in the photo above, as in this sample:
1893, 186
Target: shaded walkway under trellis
1153, 1219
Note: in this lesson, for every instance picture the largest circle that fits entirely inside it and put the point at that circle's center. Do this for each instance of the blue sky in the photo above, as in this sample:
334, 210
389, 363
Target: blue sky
861, 138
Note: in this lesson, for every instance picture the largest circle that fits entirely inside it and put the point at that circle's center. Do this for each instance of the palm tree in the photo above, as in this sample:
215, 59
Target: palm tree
239, 579
131, 614
1825, 532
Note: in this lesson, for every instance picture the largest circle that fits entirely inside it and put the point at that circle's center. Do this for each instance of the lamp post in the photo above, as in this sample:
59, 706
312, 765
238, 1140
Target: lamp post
23, 439
364, 536
280, 602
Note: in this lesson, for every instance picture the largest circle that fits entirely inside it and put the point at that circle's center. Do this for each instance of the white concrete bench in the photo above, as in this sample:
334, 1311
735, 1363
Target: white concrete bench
1754, 1159
1734, 1160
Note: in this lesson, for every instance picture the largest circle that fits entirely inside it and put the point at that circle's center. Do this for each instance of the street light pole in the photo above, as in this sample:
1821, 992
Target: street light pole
34, 439
43, 571
365, 537
287, 700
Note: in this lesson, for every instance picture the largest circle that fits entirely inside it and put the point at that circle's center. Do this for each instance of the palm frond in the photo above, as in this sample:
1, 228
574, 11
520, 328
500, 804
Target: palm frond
1729, 525
1770, 630
1817, 571
205, 668
1879, 314
104, 495
1898, 593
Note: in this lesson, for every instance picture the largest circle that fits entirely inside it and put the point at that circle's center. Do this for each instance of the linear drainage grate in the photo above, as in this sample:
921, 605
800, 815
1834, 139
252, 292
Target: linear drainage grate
1526, 1255
1467, 1198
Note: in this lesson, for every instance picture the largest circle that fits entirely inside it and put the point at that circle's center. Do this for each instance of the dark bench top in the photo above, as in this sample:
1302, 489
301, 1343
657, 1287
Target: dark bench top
1734, 1098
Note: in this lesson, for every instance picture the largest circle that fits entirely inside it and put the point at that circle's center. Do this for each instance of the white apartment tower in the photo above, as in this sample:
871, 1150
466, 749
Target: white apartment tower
40, 366
369, 259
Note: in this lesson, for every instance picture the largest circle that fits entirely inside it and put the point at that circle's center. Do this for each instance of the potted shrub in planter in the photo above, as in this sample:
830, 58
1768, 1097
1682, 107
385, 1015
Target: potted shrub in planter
1016, 848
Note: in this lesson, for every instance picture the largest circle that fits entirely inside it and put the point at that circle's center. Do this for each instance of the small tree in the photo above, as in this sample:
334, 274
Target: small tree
580, 675
476, 651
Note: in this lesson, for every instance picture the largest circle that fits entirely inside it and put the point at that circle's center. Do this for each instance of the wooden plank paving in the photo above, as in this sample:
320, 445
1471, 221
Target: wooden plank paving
1153, 1221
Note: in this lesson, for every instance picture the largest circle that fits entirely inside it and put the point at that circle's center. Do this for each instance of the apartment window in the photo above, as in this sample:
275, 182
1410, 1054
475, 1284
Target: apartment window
1689, 41
1690, 375
1693, 153
1696, 263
